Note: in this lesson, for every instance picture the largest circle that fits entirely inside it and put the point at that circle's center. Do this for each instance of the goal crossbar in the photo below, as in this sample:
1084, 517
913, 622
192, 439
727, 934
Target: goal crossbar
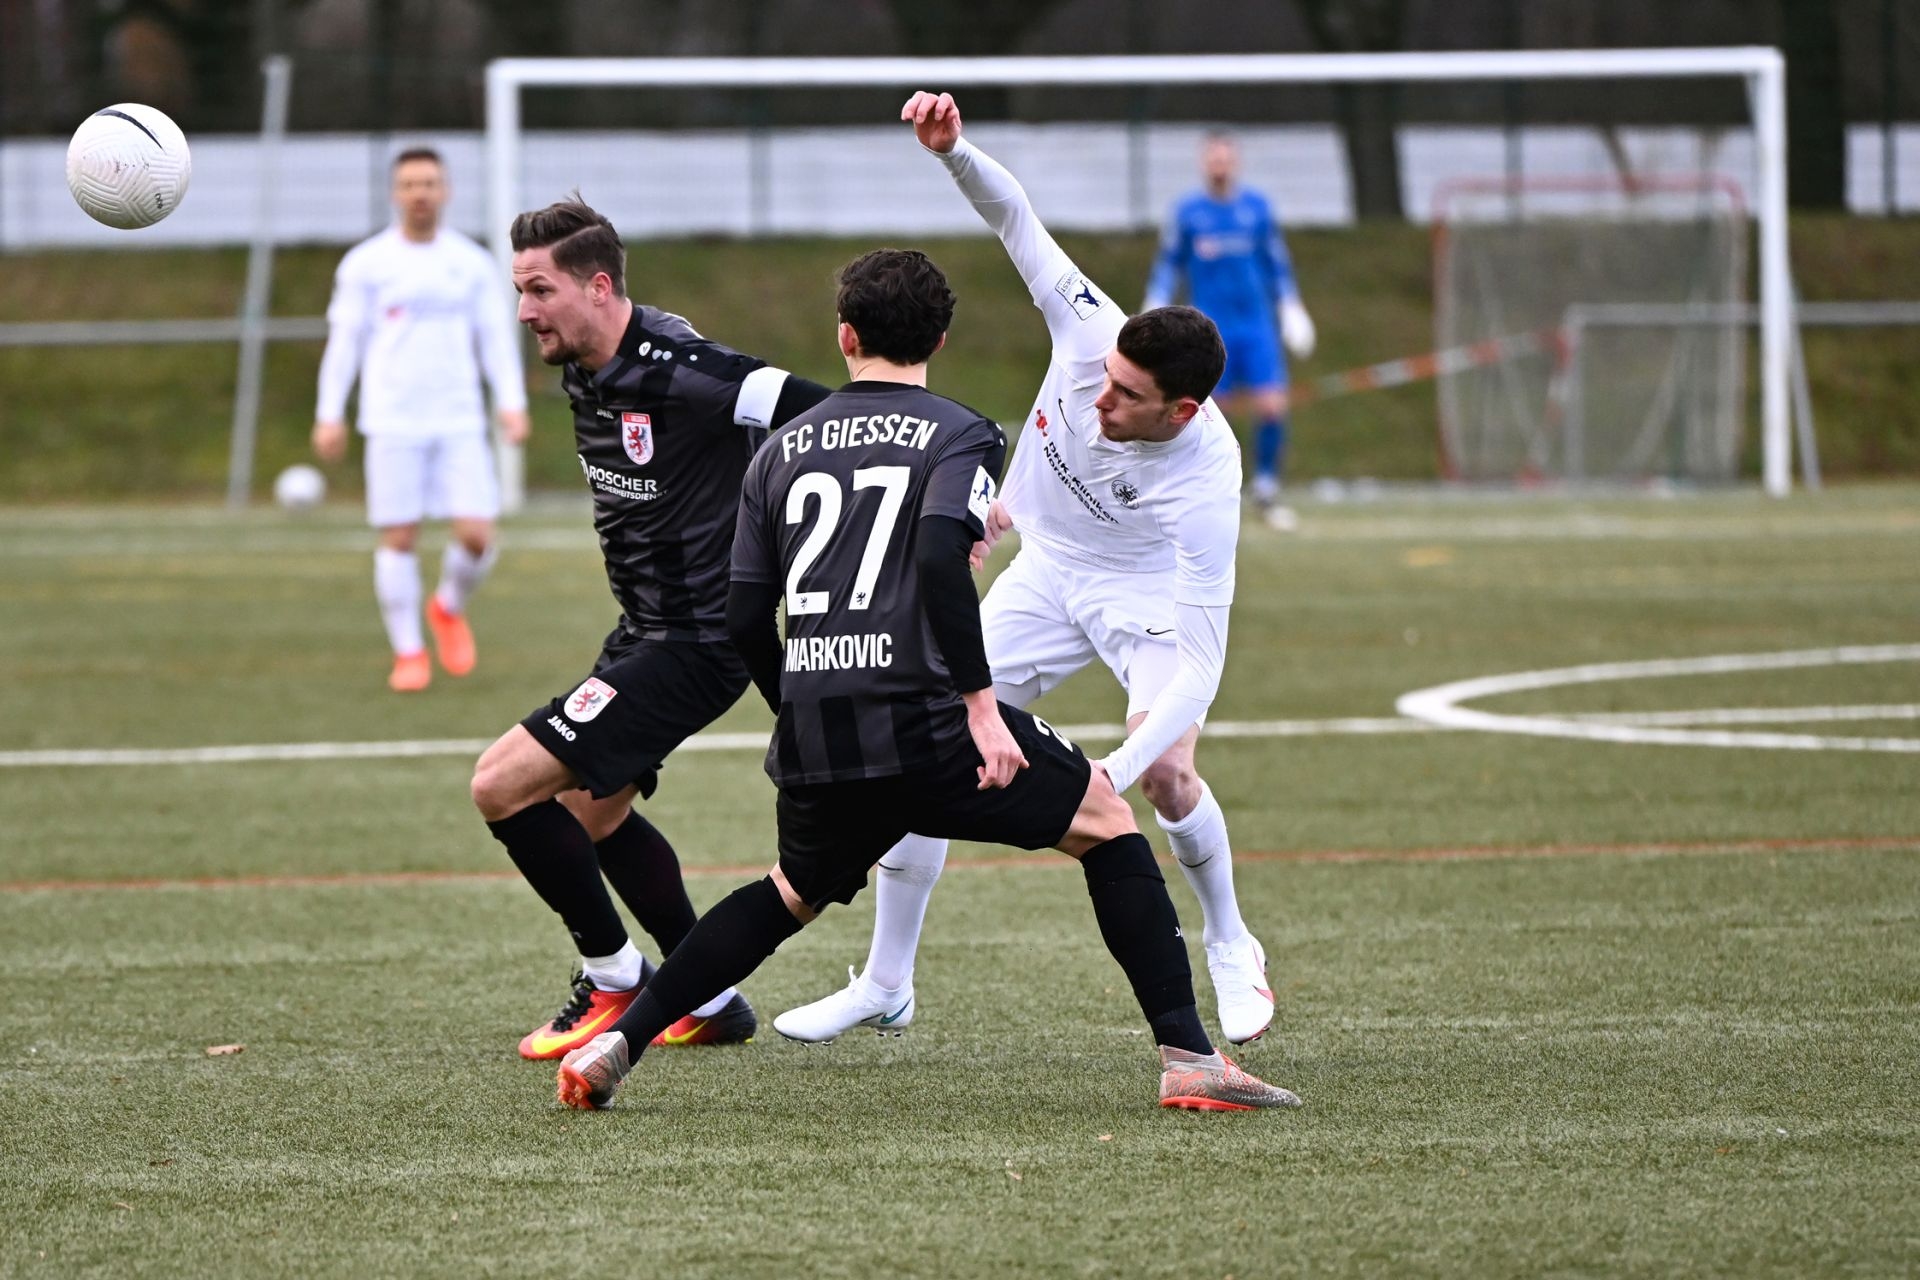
1763, 71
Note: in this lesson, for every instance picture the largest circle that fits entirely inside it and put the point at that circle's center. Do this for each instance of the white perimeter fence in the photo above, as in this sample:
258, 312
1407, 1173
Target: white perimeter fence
333, 186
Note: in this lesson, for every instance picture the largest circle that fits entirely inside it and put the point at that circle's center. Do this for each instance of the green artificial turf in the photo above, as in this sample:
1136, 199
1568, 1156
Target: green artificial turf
1555, 1007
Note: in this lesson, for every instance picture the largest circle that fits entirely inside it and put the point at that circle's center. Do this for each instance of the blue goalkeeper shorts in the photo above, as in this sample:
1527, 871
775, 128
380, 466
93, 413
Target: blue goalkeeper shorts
1254, 361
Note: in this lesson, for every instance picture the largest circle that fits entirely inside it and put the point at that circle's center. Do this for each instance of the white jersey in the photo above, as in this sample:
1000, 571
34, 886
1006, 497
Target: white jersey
1170, 510
1129, 507
418, 322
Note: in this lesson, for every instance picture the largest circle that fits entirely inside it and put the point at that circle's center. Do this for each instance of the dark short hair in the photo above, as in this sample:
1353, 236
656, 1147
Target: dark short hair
416, 153
1179, 346
584, 243
898, 303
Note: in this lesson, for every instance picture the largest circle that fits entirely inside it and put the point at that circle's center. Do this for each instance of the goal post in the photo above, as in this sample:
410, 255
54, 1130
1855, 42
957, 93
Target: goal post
1761, 70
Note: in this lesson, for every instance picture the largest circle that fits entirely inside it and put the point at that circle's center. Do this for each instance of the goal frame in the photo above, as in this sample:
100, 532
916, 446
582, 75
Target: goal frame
1761, 69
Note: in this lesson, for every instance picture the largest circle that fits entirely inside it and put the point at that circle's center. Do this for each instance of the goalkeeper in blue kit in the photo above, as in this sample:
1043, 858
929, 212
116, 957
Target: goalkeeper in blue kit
1224, 242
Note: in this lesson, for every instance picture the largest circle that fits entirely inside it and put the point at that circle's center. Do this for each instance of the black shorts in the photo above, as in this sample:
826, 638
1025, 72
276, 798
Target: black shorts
642, 699
831, 833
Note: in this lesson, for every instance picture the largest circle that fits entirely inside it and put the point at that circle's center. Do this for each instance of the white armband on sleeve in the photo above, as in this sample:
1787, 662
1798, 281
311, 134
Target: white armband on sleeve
759, 397
1202, 644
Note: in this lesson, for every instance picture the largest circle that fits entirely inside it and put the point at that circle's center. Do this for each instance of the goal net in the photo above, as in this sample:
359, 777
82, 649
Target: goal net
1619, 310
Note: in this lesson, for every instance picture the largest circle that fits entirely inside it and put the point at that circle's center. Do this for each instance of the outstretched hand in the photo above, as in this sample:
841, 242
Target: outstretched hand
935, 119
1000, 756
998, 523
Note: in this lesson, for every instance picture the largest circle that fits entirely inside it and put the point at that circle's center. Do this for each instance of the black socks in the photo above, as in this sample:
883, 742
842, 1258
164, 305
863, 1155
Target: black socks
553, 852
1138, 924
645, 872
727, 944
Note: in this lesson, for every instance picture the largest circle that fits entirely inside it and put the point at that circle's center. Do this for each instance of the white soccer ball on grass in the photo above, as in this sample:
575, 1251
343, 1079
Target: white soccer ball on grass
299, 487
128, 165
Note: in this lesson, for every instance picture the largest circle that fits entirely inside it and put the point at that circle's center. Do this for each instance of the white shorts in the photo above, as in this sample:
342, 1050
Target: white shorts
1045, 619
410, 479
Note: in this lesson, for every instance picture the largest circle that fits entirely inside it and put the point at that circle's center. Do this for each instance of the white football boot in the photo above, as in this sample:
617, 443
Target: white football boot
1239, 970
858, 1004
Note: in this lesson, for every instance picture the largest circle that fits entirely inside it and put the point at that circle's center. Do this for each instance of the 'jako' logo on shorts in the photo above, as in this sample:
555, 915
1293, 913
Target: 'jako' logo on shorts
589, 700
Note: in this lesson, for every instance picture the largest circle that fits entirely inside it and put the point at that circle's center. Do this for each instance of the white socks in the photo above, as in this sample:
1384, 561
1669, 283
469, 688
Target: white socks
714, 1005
460, 572
621, 972
905, 882
1199, 843
396, 585
617, 972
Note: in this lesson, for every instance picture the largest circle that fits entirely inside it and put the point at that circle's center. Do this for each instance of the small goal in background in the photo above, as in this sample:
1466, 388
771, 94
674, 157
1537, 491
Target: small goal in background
1635, 293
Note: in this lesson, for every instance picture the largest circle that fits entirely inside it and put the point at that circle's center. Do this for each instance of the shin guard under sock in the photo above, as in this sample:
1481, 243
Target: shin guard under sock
555, 854
728, 943
1142, 931
644, 870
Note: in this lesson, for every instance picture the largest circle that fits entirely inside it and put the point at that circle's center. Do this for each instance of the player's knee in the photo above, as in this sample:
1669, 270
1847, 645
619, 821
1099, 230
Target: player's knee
489, 792
475, 535
1171, 787
399, 537
789, 895
493, 788
1103, 815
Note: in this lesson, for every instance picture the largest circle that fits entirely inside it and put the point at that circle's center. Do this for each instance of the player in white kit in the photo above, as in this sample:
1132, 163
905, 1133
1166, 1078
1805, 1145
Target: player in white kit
418, 314
1128, 507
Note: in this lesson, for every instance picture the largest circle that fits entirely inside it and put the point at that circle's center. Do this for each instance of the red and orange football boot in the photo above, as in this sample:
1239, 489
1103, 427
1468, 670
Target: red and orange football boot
452, 638
587, 1013
411, 672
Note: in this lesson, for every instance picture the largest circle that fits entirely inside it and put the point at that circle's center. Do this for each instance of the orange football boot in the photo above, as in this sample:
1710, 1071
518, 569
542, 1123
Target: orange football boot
588, 1012
411, 672
452, 638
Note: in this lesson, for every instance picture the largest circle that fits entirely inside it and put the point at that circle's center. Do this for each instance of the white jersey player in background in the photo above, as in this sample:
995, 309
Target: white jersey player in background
418, 314
1128, 507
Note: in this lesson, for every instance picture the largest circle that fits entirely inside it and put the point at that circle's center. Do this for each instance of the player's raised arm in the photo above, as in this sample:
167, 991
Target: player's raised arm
1082, 319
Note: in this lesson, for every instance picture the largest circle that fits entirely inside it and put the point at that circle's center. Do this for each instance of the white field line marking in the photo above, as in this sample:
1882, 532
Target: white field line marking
470, 747
1440, 706
223, 537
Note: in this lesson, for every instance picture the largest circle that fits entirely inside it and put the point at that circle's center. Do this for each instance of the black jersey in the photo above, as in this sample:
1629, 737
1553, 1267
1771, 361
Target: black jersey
831, 509
664, 432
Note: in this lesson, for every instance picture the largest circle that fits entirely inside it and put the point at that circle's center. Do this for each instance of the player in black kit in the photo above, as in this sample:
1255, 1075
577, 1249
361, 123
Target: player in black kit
860, 515
665, 423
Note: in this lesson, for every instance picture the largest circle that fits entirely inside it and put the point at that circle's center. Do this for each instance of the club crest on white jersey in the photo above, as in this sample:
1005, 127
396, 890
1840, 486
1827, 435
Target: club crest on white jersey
589, 700
636, 437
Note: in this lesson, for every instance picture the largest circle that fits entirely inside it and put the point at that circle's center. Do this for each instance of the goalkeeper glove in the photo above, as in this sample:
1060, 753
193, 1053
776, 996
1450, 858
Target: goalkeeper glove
1296, 327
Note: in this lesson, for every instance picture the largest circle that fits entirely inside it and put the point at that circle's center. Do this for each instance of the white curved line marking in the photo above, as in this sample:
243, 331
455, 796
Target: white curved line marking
129, 757
1440, 705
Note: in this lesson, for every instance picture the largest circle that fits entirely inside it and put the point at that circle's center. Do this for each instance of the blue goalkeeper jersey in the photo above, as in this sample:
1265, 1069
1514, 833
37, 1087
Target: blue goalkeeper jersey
1230, 254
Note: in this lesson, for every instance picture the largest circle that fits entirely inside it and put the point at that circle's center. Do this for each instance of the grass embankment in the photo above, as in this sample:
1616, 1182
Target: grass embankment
89, 423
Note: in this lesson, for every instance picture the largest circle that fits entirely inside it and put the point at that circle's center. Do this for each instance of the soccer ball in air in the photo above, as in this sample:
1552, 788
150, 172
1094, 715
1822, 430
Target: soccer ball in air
128, 165
299, 487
